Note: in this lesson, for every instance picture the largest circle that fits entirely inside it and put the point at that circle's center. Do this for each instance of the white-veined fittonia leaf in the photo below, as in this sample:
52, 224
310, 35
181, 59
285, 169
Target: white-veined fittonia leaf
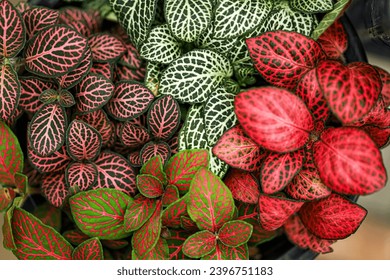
93, 92
312, 6
83, 141
136, 16
106, 47
161, 46
153, 149
54, 51
31, 88
12, 30
219, 115
82, 175
54, 188
133, 136
9, 92
188, 19
195, 75
130, 100
234, 18
47, 129
38, 18
153, 76
217, 166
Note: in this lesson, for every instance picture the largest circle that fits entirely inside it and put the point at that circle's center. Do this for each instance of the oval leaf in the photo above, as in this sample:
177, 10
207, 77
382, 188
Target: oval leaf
334, 41
90, 249
82, 175
54, 188
243, 186
153, 149
102, 68
171, 194
149, 186
235, 233
133, 136
9, 92
155, 167
31, 88
52, 163
38, 18
199, 244
105, 47
138, 212
172, 214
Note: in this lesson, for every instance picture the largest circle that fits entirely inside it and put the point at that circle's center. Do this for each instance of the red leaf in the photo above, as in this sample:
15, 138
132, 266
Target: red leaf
274, 118
89, 250
154, 167
153, 149
298, 234
115, 244
351, 91
31, 88
106, 47
82, 175
54, 51
381, 136
199, 244
135, 159
159, 252
334, 40
274, 211
171, 194
75, 236
235, 233
115, 172
333, 217
243, 186
103, 68
12, 32
283, 57
378, 116
138, 212
52, 163
37, 18
172, 214
133, 136
83, 141
187, 224
279, 169
7, 196
54, 188
9, 91
130, 100
349, 161
149, 186
238, 150
385, 78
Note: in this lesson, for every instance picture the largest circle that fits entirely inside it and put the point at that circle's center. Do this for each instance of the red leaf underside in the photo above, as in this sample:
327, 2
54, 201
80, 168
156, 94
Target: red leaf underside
36, 19
82, 175
133, 136
31, 88
57, 161
149, 186
54, 188
381, 136
105, 47
9, 91
115, 244
243, 186
385, 78
139, 212
153, 149
334, 41
378, 116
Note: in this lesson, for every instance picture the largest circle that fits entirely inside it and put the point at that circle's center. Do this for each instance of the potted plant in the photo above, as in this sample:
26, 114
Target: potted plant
145, 139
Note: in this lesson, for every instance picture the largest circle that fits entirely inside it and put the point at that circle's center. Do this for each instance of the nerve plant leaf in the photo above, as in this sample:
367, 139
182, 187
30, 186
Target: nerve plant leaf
100, 213
52, 163
266, 116
37, 18
133, 136
349, 162
243, 186
171, 194
28, 232
334, 41
9, 91
149, 186
199, 244
54, 188
235, 233
312, 6
7, 195
54, 51
82, 175
155, 167
105, 47
90, 249
195, 75
12, 30
171, 216
138, 212
333, 217
153, 149
31, 88
159, 252
385, 78
8, 239
283, 57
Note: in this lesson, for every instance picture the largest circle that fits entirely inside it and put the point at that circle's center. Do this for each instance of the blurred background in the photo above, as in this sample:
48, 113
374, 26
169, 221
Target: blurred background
371, 19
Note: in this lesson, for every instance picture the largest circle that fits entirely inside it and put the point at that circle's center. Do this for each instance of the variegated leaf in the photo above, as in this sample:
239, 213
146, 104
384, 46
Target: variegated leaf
47, 164
138, 212
312, 6
153, 76
103, 68
171, 194
31, 88
133, 136
199, 244
54, 188
37, 18
152, 149
7, 195
65, 98
193, 134
105, 47
82, 175
235, 233
217, 166
149, 186
171, 216
9, 91
155, 167
195, 75
243, 186
159, 252
90, 249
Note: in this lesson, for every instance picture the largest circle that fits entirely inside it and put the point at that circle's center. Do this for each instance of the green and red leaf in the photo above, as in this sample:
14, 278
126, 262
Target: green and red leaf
199, 244
235, 233
8, 238
171, 194
159, 252
149, 186
49, 215
115, 244
155, 167
243, 186
175, 244
138, 212
7, 195
172, 214
75, 236
90, 249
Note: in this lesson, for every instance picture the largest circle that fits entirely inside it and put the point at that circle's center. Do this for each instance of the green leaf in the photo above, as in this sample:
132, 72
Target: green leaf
159, 252
234, 18
210, 203
90, 249
155, 167
217, 166
195, 75
171, 194
36, 241
161, 46
7, 195
175, 243
182, 167
199, 244
312, 6
188, 19
49, 215
149, 186
145, 238
138, 212
231, 86
153, 76
11, 155
223, 252
136, 16
172, 214
338, 8
8, 239
100, 213
21, 182
235, 233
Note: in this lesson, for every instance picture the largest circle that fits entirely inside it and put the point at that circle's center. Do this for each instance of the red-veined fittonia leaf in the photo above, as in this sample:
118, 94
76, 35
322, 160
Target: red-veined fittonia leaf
243, 186
83, 175
8, 239
133, 136
103, 68
187, 224
49, 96
298, 234
155, 167
385, 78
90, 17
22, 7
79, 25
7, 195
279, 169
93, 92
351, 90
75, 236
115, 244
239, 151
12, 30
37, 18
163, 117
274, 118
11, 155
309, 90
334, 41
65, 98
152, 149
52, 163
83, 142
171, 194
47, 129
9, 91
128, 73
100, 213
210, 202
138, 212
149, 186
175, 243
172, 214
146, 237
106, 47
333, 217
381, 136
135, 159
223, 252
181, 168
90, 249
283, 57
37, 241
235, 233
21, 182
349, 162
31, 88
174, 143
54, 51
129, 101
274, 211
49, 215
54, 188
115, 172
199, 244
34, 176
159, 252
378, 116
